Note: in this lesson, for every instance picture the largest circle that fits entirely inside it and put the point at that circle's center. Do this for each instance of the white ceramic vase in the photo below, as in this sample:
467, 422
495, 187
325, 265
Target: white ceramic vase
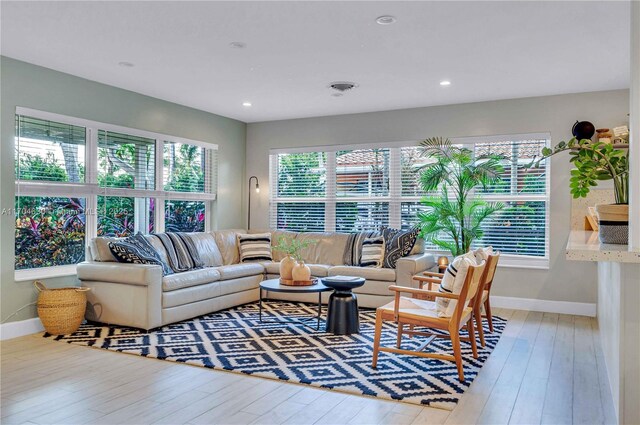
286, 267
301, 271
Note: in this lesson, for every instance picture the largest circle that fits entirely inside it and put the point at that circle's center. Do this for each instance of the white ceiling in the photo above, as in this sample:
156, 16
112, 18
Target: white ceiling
489, 50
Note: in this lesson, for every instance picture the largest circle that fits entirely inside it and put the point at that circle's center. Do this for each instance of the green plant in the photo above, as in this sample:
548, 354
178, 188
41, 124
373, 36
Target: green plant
452, 220
292, 246
594, 162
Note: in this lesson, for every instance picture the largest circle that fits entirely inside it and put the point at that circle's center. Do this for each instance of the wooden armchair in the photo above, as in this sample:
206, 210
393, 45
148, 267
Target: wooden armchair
422, 312
481, 297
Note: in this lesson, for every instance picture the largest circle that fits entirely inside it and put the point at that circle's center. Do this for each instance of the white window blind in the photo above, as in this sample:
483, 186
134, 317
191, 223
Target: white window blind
77, 178
356, 189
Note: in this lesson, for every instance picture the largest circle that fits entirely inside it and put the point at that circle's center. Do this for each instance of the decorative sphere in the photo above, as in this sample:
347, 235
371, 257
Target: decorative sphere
583, 130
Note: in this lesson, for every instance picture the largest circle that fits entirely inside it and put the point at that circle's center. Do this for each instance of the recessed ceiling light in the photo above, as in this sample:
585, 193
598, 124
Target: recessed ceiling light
445, 83
386, 20
246, 104
126, 64
237, 45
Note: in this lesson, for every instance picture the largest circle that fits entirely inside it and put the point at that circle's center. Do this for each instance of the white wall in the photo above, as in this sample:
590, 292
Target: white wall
564, 281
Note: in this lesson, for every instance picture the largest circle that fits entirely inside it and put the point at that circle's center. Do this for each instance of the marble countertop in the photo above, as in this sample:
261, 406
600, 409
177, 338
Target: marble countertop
584, 246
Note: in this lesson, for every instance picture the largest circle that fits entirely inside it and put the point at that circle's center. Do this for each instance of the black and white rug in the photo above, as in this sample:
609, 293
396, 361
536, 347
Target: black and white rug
237, 341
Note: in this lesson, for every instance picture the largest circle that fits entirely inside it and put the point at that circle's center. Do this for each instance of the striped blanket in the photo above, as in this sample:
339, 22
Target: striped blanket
181, 251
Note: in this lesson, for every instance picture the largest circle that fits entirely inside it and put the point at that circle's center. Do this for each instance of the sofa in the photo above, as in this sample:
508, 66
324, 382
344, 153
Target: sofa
139, 296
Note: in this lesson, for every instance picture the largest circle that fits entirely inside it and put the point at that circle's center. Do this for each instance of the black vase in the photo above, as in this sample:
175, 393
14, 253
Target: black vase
583, 130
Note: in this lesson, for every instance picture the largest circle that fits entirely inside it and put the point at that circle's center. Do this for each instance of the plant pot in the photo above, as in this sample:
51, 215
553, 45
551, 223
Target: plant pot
301, 271
286, 267
613, 223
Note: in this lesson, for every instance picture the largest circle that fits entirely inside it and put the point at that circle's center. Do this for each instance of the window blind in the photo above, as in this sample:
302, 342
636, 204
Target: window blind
361, 188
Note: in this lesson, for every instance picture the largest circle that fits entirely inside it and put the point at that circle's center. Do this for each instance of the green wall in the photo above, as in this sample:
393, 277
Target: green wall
23, 84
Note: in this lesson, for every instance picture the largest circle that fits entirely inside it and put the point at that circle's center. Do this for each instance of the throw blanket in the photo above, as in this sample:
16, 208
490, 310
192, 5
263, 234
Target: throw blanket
353, 250
181, 251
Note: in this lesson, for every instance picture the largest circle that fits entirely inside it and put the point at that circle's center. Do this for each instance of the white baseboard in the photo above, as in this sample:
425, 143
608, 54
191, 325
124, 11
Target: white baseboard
21, 328
547, 306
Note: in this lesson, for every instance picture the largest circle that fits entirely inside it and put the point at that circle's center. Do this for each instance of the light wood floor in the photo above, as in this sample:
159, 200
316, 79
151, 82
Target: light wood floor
547, 368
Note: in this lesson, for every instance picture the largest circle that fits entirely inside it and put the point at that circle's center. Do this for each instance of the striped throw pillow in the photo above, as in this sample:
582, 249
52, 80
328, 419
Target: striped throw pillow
452, 283
372, 252
256, 247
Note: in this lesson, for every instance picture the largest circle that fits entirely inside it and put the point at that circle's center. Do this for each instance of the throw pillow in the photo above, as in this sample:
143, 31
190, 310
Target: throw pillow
482, 254
181, 251
452, 283
353, 249
137, 250
372, 252
255, 247
397, 244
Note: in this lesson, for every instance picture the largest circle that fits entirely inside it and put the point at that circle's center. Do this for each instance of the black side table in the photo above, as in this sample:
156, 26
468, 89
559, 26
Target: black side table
342, 315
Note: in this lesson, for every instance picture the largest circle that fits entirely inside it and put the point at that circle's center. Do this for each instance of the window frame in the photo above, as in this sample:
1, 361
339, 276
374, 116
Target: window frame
395, 197
90, 189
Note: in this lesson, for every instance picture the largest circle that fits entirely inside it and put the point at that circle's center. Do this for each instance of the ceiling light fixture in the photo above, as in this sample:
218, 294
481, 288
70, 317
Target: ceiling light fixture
445, 83
126, 64
386, 20
237, 45
246, 104
342, 86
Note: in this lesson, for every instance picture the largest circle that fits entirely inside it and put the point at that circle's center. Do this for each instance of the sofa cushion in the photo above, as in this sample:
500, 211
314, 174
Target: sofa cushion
375, 287
100, 248
190, 278
317, 270
369, 273
234, 271
227, 241
206, 246
239, 285
275, 239
328, 248
190, 294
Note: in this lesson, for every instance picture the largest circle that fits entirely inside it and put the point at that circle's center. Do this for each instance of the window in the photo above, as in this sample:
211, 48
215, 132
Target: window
355, 189
77, 179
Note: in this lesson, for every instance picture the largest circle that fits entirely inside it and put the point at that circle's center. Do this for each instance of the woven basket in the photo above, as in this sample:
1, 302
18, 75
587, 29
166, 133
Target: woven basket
61, 310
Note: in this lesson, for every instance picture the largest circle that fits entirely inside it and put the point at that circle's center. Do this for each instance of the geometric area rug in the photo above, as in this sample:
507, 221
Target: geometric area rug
235, 340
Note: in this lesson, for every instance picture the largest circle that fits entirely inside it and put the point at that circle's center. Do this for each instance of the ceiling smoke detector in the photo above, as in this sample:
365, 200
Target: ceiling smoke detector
342, 86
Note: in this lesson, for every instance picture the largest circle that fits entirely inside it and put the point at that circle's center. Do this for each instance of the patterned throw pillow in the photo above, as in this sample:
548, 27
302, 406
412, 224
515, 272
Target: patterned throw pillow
372, 252
397, 244
452, 283
137, 250
255, 247
353, 249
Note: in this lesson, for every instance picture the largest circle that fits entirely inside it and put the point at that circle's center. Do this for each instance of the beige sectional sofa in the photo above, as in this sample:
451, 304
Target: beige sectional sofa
140, 296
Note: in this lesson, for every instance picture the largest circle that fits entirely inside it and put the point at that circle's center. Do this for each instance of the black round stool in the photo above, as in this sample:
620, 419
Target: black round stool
342, 316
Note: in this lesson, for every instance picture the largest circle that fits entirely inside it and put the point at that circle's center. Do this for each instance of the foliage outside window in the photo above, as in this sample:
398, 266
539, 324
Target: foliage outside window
59, 186
359, 189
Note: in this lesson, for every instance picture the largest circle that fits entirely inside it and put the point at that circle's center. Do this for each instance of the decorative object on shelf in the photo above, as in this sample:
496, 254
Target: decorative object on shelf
443, 263
454, 222
257, 189
604, 135
583, 130
621, 134
594, 162
591, 219
301, 272
61, 310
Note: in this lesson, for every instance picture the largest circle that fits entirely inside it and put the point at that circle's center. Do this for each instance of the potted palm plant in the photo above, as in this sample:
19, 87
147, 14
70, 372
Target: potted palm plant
452, 220
594, 162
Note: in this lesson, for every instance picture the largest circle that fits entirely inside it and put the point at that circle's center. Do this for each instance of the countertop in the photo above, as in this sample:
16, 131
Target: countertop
584, 246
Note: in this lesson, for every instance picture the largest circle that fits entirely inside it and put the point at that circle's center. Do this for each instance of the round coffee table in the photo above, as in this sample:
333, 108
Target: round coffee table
342, 316
274, 285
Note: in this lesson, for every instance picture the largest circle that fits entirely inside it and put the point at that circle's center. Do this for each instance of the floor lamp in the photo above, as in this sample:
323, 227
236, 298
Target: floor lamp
249, 205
